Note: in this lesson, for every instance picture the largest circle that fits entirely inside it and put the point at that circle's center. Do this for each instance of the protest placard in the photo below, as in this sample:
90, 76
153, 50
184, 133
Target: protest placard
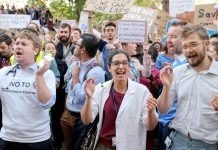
36, 22
16, 3
142, 14
161, 22
83, 21
14, 21
199, 2
109, 6
205, 15
72, 23
132, 31
180, 6
187, 16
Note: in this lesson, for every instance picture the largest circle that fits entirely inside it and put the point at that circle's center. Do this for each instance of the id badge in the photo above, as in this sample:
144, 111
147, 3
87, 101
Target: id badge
113, 141
168, 142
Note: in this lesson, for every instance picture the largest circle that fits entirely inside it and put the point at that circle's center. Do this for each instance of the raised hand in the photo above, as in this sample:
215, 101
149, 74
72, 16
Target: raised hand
166, 76
110, 46
42, 69
75, 71
89, 87
166, 64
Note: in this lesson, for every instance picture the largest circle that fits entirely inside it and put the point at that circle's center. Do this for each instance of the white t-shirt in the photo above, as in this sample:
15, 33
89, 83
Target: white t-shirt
25, 119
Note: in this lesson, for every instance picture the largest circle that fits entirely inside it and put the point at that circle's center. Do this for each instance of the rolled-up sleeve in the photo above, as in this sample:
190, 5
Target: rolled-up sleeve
78, 90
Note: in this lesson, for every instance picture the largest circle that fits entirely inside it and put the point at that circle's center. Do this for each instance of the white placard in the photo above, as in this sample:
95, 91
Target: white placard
109, 6
142, 14
98, 34
16, 3
83, 21
36, 22
180, 6
72, 23
14, 21
132, 31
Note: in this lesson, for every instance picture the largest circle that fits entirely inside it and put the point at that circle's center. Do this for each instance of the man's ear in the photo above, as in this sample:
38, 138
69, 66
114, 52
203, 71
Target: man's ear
82, 50
36, 51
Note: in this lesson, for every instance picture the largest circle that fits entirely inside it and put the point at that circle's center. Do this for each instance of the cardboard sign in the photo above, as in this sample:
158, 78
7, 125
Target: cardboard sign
132, 31
205, 15
161, 22
142, 14
109, 6
14, 21
180, 6
186, 16
199, 2
83, 21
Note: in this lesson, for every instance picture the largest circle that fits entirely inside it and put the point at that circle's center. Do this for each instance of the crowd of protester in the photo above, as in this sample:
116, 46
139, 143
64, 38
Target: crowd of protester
40, 13
151, 95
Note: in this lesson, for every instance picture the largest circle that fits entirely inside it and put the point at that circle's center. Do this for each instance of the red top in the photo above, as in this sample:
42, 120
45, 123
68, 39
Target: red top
5, 62
108, 126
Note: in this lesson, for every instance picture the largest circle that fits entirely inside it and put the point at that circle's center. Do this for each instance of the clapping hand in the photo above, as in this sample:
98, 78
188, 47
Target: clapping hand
89, 87
166, 76
45, 66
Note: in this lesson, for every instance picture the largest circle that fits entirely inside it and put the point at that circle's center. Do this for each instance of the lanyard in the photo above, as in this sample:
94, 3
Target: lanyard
12, 70
114, 100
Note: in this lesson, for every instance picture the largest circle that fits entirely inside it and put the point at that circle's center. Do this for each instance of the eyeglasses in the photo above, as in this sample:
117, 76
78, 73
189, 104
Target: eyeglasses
117, 64
192, 45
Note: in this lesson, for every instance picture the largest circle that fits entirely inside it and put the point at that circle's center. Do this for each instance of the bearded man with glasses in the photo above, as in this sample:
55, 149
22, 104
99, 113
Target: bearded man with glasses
194, 86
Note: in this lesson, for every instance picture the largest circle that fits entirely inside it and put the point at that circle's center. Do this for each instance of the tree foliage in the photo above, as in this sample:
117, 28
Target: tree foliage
71, 10
34, 2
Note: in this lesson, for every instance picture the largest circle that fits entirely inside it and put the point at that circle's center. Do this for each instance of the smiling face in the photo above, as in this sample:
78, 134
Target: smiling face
50, 49
119, 71
194, 49
173, 40
25, 52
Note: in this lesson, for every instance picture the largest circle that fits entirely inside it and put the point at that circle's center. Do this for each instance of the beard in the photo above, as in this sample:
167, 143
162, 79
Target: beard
64, 39
200, 58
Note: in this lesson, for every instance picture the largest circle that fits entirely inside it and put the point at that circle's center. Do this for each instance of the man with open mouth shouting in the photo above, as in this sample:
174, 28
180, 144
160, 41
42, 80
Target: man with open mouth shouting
26, 92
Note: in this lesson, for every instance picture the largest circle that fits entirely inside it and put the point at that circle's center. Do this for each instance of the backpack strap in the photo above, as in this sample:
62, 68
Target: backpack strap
89, 68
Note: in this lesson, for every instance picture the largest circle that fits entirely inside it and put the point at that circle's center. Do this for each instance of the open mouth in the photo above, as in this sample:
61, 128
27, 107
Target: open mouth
191, 56
120, 73
18, 53
170, 46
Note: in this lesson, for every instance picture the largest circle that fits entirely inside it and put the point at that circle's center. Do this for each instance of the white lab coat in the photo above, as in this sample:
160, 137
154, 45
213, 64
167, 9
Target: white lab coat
131, 133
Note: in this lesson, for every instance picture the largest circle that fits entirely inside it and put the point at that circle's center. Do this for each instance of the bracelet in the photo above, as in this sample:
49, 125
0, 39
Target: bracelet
90, 17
